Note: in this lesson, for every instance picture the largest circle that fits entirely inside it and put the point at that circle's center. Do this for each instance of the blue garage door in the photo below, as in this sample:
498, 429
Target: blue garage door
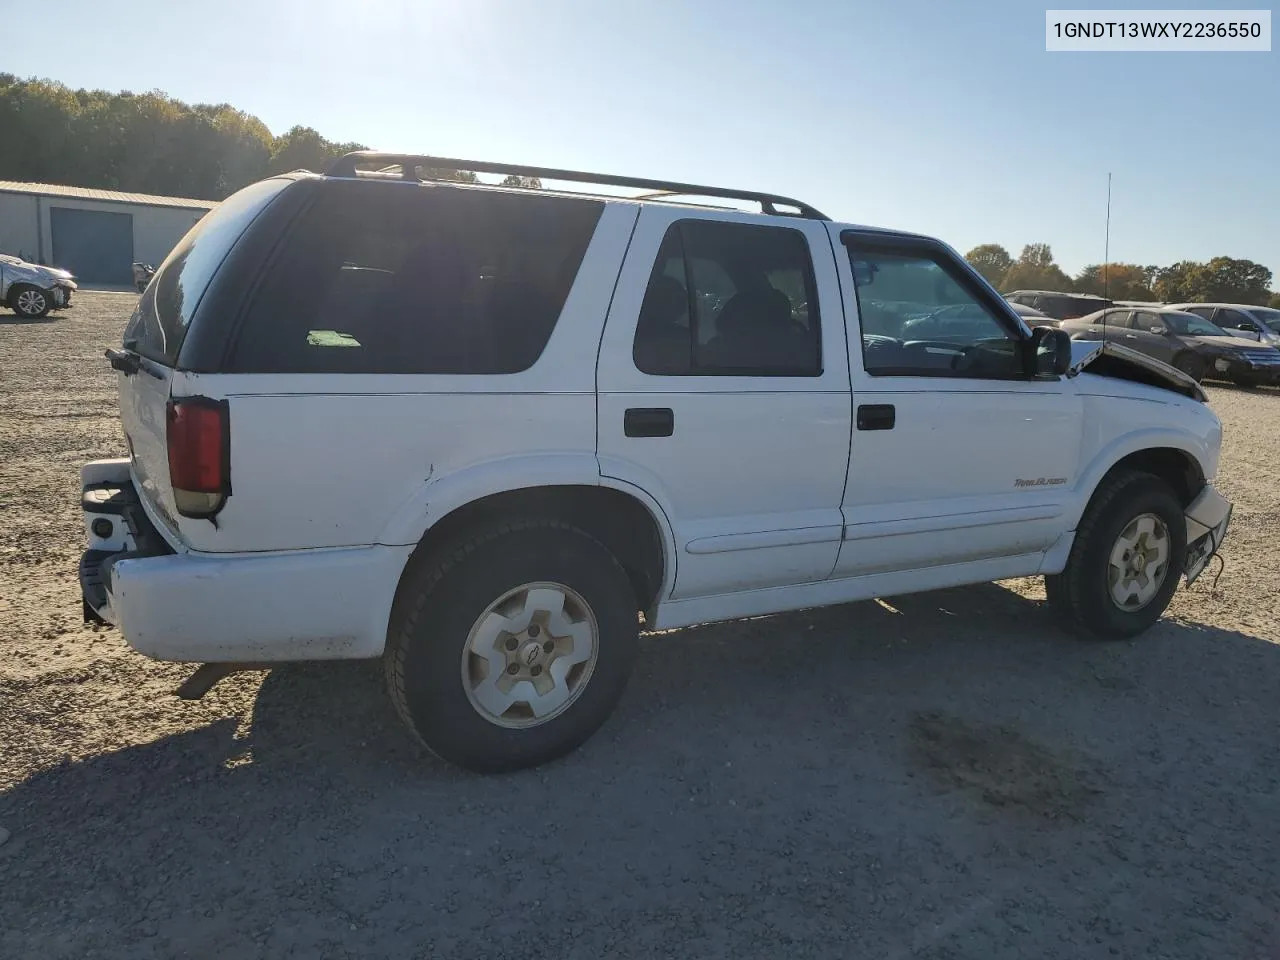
97, 247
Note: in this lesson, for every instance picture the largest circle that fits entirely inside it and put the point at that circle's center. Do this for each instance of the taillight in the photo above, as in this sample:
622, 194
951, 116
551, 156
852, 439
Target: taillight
199, 439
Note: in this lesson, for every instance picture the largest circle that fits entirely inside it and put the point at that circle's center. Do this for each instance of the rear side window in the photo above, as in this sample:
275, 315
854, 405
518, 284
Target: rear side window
164, 312
730, 299
406, 278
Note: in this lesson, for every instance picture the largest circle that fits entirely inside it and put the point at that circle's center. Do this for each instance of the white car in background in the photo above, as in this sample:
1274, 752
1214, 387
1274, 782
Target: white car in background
1239, 319
32, 290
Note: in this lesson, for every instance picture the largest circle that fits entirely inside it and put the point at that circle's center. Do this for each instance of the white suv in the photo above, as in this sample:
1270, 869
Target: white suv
478, 432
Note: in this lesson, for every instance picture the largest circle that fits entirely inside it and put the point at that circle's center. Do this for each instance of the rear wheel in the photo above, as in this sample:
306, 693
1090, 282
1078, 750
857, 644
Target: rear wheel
511, 648
30, 302
1191, 365
1126, 560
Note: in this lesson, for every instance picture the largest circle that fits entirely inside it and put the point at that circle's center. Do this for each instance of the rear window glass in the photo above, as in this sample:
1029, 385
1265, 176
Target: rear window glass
405, 278
164, 312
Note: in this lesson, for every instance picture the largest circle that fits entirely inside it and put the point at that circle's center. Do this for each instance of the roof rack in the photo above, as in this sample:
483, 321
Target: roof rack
410, 163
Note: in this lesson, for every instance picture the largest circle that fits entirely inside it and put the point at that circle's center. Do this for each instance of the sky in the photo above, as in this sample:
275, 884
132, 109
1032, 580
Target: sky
940, 116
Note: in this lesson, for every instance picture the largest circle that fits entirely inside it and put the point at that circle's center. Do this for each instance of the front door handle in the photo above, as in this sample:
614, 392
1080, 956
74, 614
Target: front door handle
649, 422
877, 416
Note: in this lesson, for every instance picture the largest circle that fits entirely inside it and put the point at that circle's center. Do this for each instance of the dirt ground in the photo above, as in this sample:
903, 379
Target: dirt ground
940, 775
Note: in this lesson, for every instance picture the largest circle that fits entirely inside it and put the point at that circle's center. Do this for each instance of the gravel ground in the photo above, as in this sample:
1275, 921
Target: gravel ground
940, 775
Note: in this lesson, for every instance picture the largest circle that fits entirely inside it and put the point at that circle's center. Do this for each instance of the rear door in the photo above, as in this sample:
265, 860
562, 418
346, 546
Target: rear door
724, 393
1113, 325
1139, 333
159, 326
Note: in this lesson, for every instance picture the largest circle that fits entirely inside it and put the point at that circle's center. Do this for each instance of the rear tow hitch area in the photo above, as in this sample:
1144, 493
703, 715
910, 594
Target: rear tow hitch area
208, 675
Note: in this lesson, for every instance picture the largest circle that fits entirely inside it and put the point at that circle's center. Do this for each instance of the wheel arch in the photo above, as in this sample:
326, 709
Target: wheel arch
1170, 458
18, 286
625, 519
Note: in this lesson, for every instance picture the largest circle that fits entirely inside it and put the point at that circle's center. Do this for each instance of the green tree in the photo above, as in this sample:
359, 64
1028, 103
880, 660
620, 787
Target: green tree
1274, 302
992, 261
1035, 270
302, 148
1178, 282
1120, 281
515, 180
1221, 279
1236, 281
146, 143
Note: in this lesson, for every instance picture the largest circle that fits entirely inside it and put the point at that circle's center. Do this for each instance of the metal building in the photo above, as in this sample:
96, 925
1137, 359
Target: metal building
96, 234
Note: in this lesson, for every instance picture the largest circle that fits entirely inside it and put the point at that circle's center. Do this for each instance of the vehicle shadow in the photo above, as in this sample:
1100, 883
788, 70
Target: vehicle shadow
905, 775
15, 320
1265, 389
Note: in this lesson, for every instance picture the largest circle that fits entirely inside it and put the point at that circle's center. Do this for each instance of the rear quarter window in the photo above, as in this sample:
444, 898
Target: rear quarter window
411, 278
160, 324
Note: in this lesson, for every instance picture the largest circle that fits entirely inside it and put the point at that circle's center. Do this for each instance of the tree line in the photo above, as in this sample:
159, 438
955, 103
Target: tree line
1222, 279
152, 143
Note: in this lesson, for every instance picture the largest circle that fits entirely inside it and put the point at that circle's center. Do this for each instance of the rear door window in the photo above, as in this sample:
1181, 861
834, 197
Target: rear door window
409, 278
164, 313
730, 299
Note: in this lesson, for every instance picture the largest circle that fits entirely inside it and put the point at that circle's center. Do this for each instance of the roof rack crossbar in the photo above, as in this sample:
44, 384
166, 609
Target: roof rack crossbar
346, 166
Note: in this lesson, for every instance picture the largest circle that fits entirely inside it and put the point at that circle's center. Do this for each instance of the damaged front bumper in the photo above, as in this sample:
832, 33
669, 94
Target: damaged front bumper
1207, 520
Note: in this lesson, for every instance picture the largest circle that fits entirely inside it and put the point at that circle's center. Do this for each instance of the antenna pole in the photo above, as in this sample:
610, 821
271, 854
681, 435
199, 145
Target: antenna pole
1106, 254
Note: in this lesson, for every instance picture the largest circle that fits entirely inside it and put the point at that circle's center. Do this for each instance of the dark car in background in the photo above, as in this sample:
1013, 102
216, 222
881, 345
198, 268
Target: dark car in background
1059, 305
1195, 346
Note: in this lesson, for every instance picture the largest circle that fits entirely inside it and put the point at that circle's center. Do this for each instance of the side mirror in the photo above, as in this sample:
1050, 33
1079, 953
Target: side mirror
1159, 329
1048, 351
864, 272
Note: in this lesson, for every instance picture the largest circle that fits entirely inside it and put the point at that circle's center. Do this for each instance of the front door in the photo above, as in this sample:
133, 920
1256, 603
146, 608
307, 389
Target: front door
955, 455
723, 390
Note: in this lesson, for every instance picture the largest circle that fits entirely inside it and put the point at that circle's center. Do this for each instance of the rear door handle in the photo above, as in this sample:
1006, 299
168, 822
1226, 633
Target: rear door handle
1131, 336
649, 422
877, 416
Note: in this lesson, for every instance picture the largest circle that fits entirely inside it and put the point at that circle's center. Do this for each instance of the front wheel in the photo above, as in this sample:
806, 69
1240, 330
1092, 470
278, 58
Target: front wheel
1126, 560
30, 302
1191, 365
511, 648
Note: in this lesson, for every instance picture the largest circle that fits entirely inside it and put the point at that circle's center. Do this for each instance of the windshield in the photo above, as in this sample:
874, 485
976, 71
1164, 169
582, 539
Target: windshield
1189, 325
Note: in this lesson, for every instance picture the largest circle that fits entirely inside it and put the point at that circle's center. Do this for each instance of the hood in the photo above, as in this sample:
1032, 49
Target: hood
1112, 360
1231, 344
33, 271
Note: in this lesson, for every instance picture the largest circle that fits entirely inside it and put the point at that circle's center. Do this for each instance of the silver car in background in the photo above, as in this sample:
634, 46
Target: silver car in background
32, 290
1240, 319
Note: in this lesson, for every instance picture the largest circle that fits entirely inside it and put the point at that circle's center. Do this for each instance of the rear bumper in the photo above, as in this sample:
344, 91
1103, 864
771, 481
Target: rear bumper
213, 608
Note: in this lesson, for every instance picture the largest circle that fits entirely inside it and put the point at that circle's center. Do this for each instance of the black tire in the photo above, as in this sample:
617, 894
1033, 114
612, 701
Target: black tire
1193, 366
441, 600
30, 302
1081, 591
